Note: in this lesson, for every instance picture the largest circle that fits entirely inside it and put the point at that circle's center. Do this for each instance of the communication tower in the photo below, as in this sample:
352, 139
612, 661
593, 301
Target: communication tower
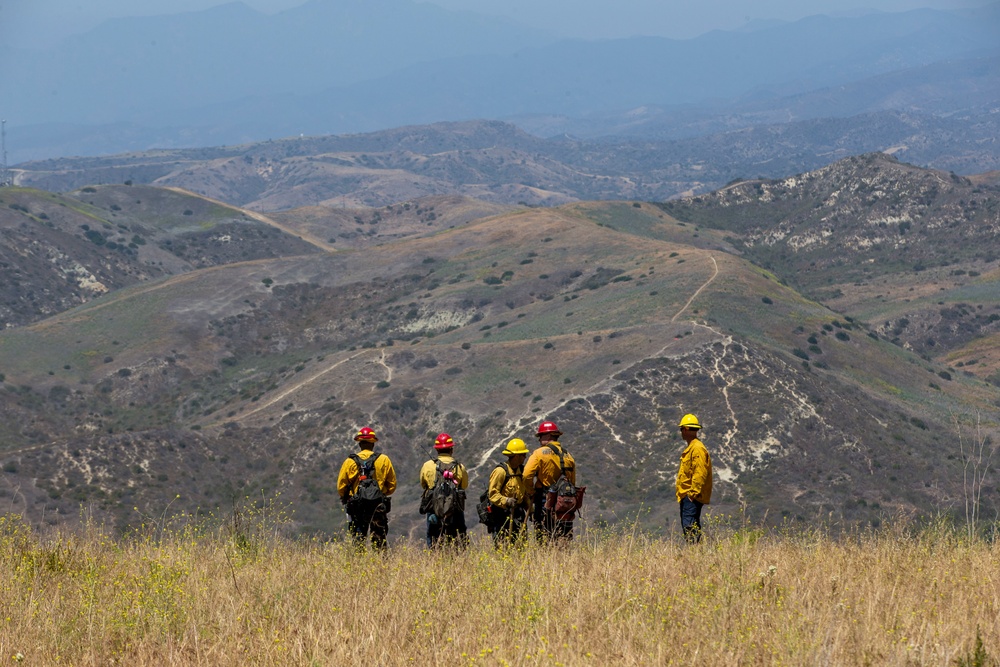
4, 173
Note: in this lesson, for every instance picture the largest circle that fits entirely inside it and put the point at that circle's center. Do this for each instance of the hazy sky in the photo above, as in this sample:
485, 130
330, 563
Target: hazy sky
23, 22
675, 18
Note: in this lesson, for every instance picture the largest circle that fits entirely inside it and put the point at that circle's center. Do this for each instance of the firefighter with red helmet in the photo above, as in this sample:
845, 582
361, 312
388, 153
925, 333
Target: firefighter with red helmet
365, 482
544, 468
444, 481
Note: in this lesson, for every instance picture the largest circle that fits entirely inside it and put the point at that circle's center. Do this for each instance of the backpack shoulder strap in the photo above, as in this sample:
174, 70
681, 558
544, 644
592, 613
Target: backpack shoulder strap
506, 473
562, 460
369, 461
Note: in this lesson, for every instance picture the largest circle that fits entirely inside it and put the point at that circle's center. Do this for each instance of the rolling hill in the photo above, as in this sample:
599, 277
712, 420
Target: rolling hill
612, 318
912, 253
496, 162
57, 251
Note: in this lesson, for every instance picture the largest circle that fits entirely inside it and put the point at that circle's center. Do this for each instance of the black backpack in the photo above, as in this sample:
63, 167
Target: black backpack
444, 499
369, 492
484, 507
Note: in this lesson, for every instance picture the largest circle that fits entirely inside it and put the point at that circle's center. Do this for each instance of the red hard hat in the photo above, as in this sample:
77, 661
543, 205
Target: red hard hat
548, 427
366, 434
443, 441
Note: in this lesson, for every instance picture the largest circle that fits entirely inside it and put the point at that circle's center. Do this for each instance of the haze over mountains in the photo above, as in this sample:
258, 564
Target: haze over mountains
230, 75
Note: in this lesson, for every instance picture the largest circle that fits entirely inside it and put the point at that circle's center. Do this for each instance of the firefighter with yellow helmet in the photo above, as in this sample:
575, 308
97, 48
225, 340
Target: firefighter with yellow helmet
509, 501
694, 478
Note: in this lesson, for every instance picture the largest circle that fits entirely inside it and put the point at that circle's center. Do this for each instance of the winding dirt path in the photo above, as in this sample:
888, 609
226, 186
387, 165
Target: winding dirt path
260, 217
694, 296
291, 389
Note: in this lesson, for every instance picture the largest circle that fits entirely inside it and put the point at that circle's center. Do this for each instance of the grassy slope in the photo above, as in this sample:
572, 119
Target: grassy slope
586, 308
168, 313
193, 593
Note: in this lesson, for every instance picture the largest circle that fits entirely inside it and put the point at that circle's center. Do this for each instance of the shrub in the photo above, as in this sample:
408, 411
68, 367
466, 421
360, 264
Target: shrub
767, 300
95, 237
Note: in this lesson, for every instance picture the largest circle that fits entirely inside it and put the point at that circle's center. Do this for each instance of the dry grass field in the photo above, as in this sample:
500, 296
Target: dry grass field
185, 593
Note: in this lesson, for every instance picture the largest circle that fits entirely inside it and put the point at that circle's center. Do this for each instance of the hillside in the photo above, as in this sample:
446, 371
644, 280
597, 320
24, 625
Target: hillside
912, 253
351, 228
496, 162
58, 251
611, 318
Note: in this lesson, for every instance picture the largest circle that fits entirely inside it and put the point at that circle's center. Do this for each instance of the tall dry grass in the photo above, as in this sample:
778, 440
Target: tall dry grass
237, 594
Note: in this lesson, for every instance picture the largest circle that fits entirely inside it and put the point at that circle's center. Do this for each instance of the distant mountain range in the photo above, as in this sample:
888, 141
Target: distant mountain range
495, 161
232, 75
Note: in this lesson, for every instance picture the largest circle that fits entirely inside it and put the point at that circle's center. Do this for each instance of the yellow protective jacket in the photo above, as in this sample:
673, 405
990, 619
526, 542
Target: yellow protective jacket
428, 473
542, 469
506, 484
694, 477
385, 475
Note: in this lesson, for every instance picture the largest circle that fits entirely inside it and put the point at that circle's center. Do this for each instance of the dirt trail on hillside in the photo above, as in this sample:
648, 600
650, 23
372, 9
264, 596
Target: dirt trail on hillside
488, 454
260, 217
294, 387
699, 290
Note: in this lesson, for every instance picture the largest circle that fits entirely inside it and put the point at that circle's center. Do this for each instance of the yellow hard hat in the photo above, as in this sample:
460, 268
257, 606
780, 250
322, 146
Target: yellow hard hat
515, 446
689, 421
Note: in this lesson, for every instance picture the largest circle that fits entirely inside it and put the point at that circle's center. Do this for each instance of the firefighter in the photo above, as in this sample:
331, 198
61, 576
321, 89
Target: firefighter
694, 479
444, 481
543, 469
365, 482
509, 500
